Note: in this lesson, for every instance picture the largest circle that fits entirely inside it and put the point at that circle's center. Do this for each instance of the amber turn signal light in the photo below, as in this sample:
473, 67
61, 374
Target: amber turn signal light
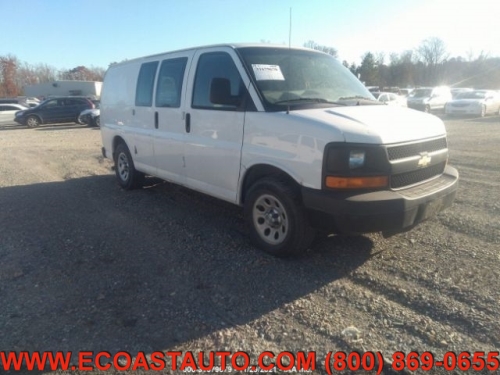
356, 182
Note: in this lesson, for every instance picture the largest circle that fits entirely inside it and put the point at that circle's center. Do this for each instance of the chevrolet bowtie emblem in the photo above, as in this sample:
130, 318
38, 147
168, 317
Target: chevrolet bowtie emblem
424, 160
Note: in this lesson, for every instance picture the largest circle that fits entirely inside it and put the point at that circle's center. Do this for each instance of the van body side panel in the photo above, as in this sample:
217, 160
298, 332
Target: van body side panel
293, 144
118, 119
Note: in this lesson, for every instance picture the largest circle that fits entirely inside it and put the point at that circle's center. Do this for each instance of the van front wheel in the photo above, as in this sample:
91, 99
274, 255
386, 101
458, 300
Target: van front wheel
276, 218
127, 176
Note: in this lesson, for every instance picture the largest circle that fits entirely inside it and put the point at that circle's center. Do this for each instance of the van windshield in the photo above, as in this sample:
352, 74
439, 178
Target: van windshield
300, 78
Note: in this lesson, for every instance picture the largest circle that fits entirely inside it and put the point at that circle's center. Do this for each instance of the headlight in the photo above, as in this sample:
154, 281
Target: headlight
351, 166
356, 159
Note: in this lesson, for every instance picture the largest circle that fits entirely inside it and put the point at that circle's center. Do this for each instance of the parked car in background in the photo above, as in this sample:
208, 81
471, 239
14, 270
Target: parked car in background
393, 89
91, 117
477, 102
405, 92
390, 98
54, 110
8, 112
374, 90
429, 99
458, 90
22, 100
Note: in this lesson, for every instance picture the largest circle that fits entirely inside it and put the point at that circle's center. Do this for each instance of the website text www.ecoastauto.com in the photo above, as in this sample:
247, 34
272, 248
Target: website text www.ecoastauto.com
203, 361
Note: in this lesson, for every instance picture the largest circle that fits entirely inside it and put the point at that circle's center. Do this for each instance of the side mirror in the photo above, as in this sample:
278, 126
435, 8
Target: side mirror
220, 92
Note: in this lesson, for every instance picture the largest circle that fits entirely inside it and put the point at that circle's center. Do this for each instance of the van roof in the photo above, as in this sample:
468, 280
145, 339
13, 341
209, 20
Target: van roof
229, 45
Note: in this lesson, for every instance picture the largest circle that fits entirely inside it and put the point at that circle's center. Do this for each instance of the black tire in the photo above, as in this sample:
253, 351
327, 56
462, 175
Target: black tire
33, 121
276, 218
126, 174
91, 122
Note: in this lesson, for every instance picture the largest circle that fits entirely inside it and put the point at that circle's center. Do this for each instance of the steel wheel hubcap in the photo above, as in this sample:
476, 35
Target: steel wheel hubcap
123, 166
270, 219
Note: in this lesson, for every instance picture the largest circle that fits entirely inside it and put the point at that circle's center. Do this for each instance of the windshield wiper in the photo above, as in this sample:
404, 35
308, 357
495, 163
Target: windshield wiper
362, 100
356, 97
315, 100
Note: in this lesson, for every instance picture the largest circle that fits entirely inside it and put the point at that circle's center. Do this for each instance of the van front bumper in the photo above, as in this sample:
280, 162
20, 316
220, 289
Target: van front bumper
387, 211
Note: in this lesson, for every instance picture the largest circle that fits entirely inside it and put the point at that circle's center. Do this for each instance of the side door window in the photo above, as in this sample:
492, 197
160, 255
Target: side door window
169, 86
145, 83
213, 67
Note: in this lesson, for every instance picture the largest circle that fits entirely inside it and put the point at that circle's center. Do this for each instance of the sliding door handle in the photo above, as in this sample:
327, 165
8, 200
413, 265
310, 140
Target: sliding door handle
188, 123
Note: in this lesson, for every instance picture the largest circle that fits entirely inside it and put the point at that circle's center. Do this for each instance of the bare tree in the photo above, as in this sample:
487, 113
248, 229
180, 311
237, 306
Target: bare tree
82, 73
45, 73
97, 73
26, 75
432, 53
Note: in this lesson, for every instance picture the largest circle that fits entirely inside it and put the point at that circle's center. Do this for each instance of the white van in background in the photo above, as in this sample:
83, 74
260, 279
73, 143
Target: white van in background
289, 134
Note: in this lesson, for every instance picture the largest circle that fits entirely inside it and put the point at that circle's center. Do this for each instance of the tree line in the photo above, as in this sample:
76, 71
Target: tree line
15, 74
429, 64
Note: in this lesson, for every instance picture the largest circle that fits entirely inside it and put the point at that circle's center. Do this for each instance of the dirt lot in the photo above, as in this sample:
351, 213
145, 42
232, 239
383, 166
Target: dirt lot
88, 266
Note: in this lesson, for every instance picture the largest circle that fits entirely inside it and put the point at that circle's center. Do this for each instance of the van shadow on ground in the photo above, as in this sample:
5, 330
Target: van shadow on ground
88, 266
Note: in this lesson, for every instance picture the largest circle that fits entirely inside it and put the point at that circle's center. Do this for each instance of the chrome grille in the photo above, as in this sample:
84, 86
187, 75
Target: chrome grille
414, 149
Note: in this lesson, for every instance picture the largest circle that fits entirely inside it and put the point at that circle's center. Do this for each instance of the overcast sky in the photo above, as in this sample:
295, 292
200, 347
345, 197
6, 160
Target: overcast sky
68, 33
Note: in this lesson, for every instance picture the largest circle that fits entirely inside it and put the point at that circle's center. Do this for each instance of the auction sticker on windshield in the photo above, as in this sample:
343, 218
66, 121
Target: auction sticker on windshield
265, 72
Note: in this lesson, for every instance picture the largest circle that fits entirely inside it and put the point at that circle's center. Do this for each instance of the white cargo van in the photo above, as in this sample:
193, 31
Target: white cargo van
289, 134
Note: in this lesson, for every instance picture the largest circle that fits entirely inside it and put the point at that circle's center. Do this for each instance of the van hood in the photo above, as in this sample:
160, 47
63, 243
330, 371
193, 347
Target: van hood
376, 124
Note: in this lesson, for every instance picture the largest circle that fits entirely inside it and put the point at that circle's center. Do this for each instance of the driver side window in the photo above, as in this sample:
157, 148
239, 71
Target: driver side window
217, 65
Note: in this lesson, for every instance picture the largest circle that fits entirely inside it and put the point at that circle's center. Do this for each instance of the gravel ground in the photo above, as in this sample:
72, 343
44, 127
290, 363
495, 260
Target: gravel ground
88, 266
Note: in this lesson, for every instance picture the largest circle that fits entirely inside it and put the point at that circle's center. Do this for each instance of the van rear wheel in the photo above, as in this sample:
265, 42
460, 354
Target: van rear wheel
128, 177
276, 218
